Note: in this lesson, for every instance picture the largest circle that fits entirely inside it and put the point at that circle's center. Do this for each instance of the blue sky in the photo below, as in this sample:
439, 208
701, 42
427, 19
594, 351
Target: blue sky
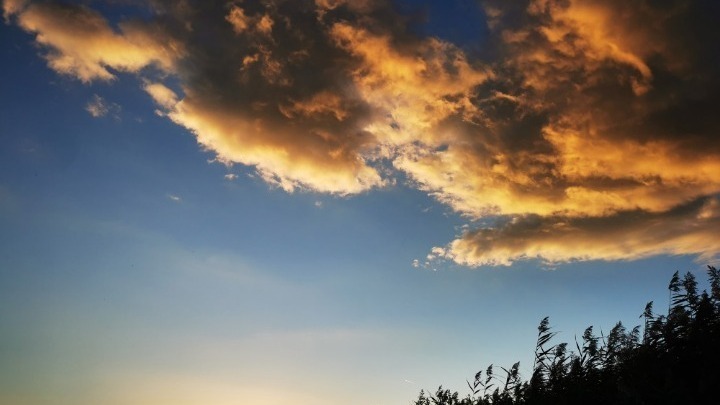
145, 262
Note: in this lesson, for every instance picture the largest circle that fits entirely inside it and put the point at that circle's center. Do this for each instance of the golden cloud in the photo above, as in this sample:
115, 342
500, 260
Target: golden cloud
690, 229
615, 160
318, 105
588, 33
261, 24
413, 90
589, 132
82, 44
317, 161
325, 139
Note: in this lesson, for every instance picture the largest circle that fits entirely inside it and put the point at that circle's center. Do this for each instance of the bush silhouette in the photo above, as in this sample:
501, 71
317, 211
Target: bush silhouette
673, 359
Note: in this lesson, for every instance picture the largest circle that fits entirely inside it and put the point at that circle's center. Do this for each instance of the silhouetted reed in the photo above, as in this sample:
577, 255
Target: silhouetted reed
674, 360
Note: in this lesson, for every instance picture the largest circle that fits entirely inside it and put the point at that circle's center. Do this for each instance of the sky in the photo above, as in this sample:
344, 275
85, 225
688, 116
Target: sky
331, 201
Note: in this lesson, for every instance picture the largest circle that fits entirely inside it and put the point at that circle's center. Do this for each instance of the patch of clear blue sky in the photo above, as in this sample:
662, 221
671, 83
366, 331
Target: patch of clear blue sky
460, 22
99, 267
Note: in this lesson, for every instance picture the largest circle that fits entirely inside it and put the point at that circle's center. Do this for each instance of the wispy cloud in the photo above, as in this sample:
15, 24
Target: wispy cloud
174, 197
628, 235
99, 107
81, 43
583, 128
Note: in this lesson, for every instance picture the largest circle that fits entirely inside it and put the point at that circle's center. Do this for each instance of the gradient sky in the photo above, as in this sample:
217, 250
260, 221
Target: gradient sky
329, 201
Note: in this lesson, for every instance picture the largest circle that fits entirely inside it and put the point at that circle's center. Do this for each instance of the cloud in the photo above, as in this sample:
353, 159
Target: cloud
566, 130
579, 123
687, 229
327, 131
81, 43
11, 7
161, 94
413, 90
99, 107
598, 117
174, 197
290, 160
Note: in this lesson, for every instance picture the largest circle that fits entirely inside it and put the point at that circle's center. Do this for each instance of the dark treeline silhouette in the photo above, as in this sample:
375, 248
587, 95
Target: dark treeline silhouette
672, 359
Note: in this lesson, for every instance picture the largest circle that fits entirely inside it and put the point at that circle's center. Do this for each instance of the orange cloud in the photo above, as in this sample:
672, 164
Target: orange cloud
598, 125
315, 160
593, 123
319, 104
630, 235
590, 33
651, 175
325, 140
11, 7
413, 90
80, 42
261, 24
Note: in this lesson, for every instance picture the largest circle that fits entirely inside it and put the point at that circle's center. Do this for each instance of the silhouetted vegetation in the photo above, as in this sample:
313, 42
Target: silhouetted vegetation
672, 359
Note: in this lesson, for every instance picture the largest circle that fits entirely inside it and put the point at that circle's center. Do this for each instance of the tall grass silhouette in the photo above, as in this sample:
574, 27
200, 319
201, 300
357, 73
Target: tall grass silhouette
671, 359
